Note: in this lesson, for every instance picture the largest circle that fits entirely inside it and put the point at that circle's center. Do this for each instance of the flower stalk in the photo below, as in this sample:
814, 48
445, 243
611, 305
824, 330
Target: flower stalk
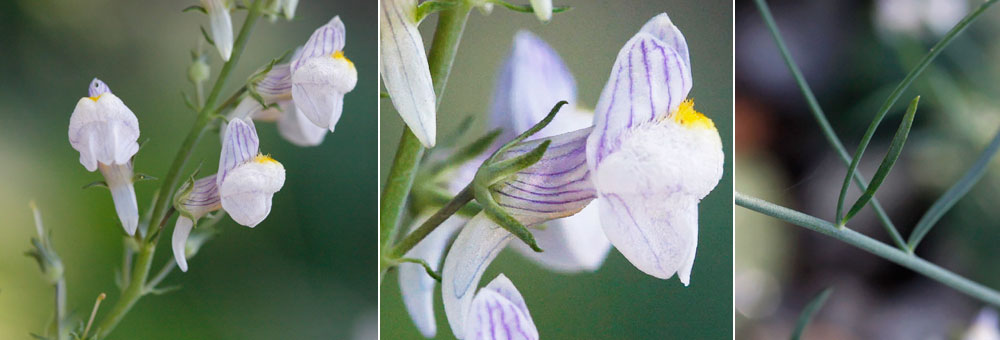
137, 282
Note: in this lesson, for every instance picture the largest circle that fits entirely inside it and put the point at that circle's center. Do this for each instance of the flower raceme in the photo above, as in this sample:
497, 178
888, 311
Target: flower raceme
404, 69
648, 161
105, 132
243, 187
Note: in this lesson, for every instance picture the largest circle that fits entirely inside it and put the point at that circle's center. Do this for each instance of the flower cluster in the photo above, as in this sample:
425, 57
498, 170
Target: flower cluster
645, 155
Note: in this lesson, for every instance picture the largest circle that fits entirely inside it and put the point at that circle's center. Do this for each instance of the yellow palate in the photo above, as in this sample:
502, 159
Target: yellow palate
688, 117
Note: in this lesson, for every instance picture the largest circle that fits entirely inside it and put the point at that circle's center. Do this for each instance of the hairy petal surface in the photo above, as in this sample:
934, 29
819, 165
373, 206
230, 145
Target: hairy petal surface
319, 86
404, 69
499, 312
415, 285
476, 246
247, 191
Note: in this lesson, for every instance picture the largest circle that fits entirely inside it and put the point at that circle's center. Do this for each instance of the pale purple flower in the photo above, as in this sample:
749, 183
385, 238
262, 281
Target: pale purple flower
322, 75
105, 132
220, 23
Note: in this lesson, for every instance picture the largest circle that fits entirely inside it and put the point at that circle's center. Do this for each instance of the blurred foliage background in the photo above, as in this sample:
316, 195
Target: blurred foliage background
618, 301
306, 272
853, 53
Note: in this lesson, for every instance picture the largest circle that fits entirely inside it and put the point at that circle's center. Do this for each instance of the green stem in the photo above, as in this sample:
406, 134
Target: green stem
143, 262
447, 35
62, 333
873, 246
411, 240
897, 93
824, 124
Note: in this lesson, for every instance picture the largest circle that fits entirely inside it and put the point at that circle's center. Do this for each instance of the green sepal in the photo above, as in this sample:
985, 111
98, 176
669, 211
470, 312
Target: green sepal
95, 184
533, 130
528, 8
496, 172
429, 7
195, 8
183, 194
208, 38
500, 216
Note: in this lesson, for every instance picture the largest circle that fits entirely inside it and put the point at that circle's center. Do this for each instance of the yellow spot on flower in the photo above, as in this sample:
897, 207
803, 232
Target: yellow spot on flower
340, 55
688, 117
96, 98
262, 158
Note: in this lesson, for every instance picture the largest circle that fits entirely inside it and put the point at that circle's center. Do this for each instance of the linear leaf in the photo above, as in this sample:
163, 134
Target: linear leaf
810, 311
898, 92
955, 193
895, 149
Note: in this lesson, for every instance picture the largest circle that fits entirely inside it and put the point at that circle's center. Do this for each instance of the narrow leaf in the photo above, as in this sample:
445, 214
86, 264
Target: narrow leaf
898, 92
195, 8
434, 275
468, 152
895, 148
96, 184
810, 311
429, 7
207, 37
506, 221
496, 172
955, 193
533, 130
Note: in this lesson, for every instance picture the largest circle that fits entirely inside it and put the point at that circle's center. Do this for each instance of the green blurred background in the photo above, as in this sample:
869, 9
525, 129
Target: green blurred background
853, 53
306, 272
618, 301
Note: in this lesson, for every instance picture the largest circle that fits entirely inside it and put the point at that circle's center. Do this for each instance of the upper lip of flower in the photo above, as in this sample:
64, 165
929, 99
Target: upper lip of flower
404, 69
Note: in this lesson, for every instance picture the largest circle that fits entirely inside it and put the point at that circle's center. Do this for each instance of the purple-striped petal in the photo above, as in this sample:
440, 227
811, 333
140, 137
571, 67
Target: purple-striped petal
531, 82
297, 129
474, 249
559, 185
203, 198
648, 81
277, 84
499, 312
404, 69
324, 42
415, 285
658, 234
97, 88
662, 28
240, 144
103, 130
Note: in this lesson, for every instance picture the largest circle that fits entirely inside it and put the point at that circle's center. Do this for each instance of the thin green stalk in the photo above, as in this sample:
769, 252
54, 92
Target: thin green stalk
807, 313
411, 240
873, 246
447, 35
143, 262
897, 93
62, 333
824, 124
955, 193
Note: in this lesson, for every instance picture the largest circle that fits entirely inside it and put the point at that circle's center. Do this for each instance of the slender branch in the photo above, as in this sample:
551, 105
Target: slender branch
447, 35
897, 93
411, 240
93, 313
872, 246
143, 262
62, 333
162, 274
231, 100
824, 124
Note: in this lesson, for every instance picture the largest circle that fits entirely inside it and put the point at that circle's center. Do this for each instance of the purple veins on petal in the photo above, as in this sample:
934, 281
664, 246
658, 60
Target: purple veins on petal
324, 41
97, 88
240, 145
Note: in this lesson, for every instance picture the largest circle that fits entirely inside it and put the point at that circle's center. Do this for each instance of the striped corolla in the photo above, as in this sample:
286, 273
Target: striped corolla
984, 327
404, 69
220, 23
499, 312
648, 161
105, 132
321, 75
243, 187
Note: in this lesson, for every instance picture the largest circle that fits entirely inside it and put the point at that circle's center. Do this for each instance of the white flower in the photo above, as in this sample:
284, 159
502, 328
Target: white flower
532, 81
985, 327
652, 156
247, 180
105, 132
404, 69
542, 9
221, 25
499, 312
322, 75
243, 187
